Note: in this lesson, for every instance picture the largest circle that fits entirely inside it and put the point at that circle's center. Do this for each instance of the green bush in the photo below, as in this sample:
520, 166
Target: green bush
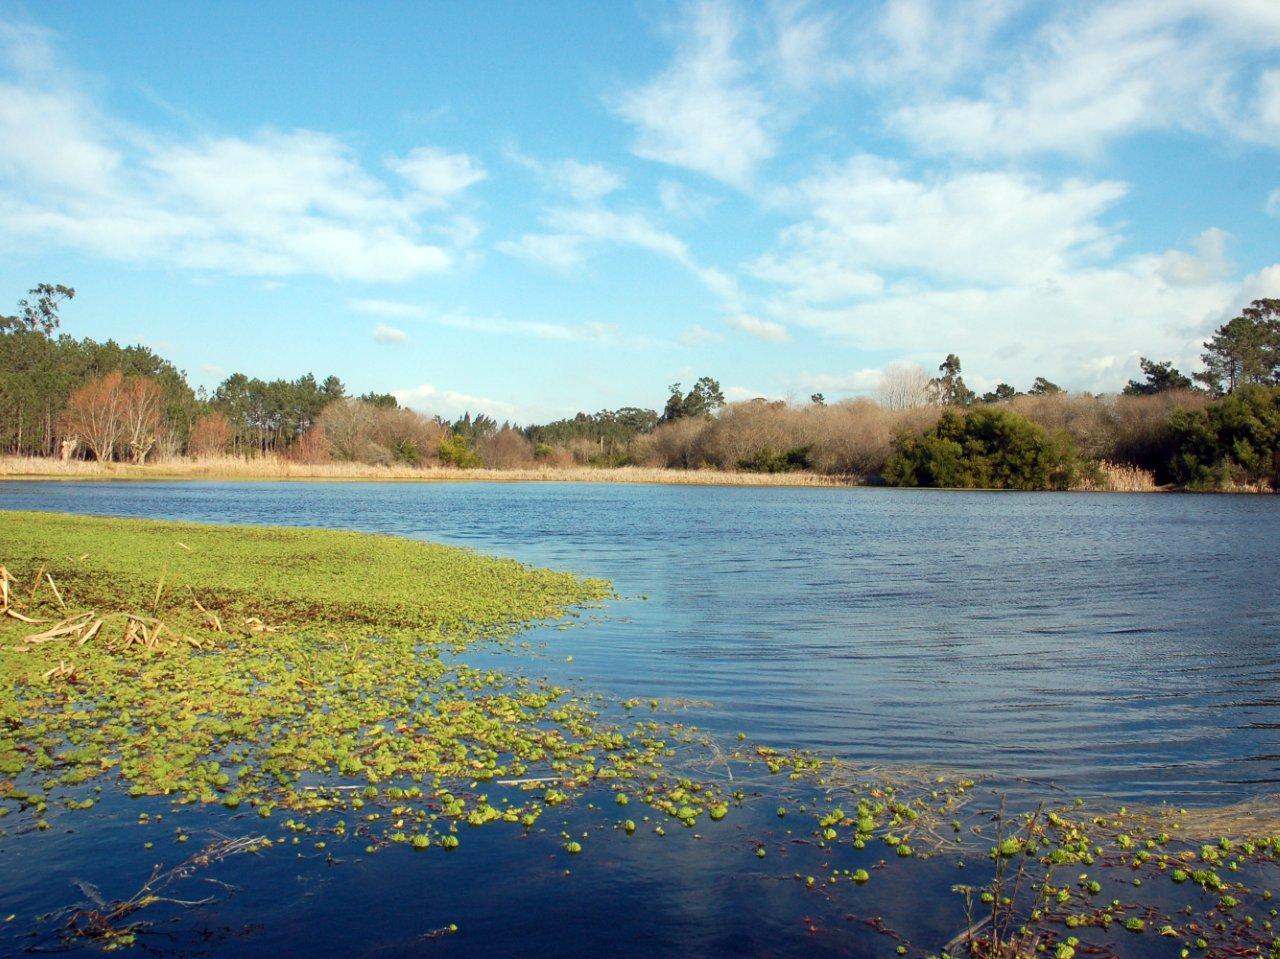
986, 448
769, 460
454, 451
1234, 441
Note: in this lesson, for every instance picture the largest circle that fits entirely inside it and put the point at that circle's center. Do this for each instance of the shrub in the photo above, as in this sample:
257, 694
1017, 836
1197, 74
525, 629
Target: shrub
364, 432
986, 448
1090, 420
769, 460
454, 451
507, 449
1234, 441
1145, 436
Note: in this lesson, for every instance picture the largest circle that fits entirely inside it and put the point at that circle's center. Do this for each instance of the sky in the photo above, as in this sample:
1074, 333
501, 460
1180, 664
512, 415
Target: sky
532, 209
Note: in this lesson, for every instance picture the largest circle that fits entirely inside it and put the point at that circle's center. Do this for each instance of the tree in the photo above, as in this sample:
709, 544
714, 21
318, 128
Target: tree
1234, 440
473, 429
904, 386
381, 400
703, 400
40, 316
818, 399
1002, 392
332, 389
988, 447
455, 451
1161, 377
1244, 350
210, 435
1042, 387
948, 387
92, 415
141, 415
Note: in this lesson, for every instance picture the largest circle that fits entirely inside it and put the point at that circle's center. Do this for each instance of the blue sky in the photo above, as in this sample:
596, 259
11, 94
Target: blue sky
537, 208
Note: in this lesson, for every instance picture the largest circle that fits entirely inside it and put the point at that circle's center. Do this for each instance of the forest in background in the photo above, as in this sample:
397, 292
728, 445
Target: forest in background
1219, 429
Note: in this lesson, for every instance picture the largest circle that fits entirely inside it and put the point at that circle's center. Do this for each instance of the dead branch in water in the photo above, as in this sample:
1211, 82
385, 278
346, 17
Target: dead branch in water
106, 922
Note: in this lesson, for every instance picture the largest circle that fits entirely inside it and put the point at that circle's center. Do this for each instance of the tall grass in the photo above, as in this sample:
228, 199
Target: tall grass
274, 468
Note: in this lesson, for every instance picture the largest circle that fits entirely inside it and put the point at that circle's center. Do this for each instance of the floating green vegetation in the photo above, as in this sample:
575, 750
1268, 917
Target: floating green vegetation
267, 668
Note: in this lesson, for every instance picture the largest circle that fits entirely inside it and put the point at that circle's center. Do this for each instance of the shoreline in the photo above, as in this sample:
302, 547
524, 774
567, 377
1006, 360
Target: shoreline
44, 469
35, 468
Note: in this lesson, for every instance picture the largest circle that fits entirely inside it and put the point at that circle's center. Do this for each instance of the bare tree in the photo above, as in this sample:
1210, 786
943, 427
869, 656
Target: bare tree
506, 449
92, 415
904, 386
141, 415
210, 435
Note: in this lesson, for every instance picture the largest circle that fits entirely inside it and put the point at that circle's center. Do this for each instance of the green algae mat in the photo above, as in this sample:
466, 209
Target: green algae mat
318, 681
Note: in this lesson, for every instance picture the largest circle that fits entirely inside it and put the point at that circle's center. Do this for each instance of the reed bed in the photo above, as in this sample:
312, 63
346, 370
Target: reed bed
274, 468
1121, 478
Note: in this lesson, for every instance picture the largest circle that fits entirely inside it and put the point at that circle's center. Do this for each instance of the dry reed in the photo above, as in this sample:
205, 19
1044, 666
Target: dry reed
272, 468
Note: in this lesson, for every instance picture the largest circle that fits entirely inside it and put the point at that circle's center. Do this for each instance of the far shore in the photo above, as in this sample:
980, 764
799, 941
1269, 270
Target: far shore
264, 468
1116, 479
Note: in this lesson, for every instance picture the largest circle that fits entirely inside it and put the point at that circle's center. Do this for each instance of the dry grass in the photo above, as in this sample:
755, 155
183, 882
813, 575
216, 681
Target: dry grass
271, 468
1121, 478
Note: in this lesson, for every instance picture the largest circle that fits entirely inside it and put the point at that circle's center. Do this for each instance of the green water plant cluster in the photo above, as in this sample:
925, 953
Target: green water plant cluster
291, 671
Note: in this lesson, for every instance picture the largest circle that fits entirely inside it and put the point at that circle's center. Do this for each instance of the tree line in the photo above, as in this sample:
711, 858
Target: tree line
60, 395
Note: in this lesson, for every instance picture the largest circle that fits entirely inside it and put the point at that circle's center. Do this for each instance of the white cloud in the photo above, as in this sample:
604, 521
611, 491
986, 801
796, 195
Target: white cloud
1207, 264
682, 201
558, 251
697, 335
753, 326
272, 204
738, 394
855, 381
1081, 330
1273, 203
451, 404
574, 230
1090, 75
703, 113
562, 332
802, 43
437, 174
388, 308
866, 217
389, 335
585, 181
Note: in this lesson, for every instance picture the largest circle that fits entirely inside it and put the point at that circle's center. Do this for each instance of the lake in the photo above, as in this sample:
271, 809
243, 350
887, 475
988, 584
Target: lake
1117, 646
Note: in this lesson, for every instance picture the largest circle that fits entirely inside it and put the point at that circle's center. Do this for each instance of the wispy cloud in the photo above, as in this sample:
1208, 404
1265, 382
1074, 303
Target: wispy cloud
683, 201
703, 113
698, 335
436, 175
753, 326
1091, 75
583, 181
452, 319
450, 404
389, 335
574, 231
275, 203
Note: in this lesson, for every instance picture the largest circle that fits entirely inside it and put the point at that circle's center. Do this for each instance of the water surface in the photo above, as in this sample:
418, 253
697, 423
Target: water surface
1120, 645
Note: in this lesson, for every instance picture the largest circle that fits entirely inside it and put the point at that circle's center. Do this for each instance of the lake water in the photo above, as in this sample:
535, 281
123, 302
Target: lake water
1123, 647
1118, 644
